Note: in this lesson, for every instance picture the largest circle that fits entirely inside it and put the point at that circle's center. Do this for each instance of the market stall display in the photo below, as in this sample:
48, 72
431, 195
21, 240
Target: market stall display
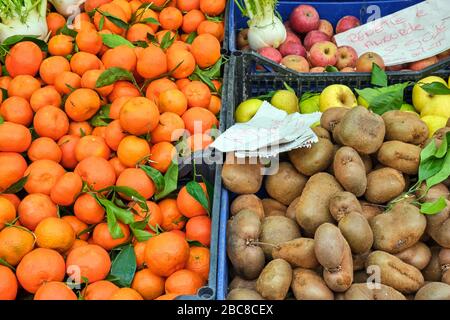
101, 192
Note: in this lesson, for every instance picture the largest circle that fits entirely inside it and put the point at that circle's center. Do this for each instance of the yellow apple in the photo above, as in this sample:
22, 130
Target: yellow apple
247, 109
337, 95
434, 123
434, 104
285, 100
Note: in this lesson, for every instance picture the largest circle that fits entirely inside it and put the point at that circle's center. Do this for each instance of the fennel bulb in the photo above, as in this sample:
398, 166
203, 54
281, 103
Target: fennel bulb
23, 17
67, 7
265, 28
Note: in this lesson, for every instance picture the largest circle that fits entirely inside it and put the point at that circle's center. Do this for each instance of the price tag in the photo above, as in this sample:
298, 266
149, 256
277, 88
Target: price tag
415, 33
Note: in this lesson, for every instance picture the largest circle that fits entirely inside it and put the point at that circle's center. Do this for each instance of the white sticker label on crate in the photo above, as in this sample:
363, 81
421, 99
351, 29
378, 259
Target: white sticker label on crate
415, 33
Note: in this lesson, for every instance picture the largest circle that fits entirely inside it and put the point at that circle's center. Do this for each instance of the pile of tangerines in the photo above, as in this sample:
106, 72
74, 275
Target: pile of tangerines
81, 145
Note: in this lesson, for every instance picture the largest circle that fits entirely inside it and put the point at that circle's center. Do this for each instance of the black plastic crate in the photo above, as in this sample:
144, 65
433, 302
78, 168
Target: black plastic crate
253, 82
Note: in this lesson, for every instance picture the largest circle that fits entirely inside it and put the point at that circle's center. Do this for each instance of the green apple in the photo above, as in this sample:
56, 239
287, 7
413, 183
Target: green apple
285, 100
408, 108
309, 105
337, 95
434, 123
362, 102
428, 104
247, 109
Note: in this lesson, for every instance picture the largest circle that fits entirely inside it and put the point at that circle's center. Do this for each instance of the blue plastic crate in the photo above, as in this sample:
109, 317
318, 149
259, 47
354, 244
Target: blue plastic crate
329, 10
212, 173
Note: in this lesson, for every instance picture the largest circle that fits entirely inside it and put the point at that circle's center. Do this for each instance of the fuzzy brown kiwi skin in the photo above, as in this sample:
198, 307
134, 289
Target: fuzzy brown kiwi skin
360, 291
434, 291
356, 230
241, 283
419, 255
405, 126
308, 285
438, 226
309, 161
339, 280
247, 201
398, 228
334, 254
395, 273
290, 211
342, 203
274, 281
370, 210
322, 132
298, 252
426, 194
285, 185
247, 258
331, 117
399, 155
312, 209
359, 260
383, 185
241, 178
433, 271
329, 246
273, 207
361, 129
276, 230
444, 261
350, 171
244, 294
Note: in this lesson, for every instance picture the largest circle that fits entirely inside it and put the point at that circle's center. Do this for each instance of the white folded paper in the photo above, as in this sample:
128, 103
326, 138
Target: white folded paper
270, 132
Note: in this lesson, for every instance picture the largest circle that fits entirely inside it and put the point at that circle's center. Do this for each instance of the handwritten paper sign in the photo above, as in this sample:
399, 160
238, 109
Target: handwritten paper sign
270, 132
415, 33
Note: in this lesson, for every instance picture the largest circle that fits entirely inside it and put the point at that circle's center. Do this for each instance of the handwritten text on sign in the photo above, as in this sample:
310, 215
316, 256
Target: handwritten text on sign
412, 34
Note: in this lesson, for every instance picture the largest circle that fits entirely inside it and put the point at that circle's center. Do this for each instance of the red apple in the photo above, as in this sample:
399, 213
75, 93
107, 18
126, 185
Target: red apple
365, 61
347, 69
292, 48
346, 57
271, 53
287, 25
297, 63
347, 23
304, 18
326, 27
397, 67
422, 64
242, 39
333, 39
323, 53
308, 57
313, 37
317, 69
444, 54
291, 36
